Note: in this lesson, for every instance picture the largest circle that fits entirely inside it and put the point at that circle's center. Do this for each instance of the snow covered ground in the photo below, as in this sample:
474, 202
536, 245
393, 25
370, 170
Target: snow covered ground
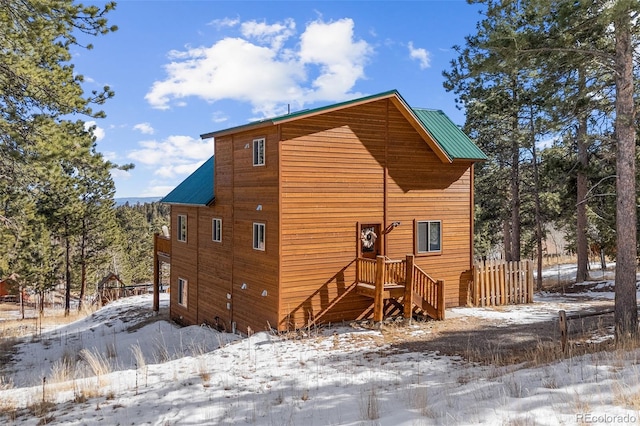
148, 371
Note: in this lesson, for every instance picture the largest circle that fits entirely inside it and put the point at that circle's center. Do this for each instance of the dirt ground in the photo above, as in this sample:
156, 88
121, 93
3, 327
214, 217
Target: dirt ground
475, 339
488, 340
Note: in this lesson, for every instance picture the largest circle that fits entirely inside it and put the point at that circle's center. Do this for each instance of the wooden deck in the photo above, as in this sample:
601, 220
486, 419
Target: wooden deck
383, 279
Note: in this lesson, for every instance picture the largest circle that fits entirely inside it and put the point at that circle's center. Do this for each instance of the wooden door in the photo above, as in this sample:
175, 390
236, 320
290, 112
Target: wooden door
370, 240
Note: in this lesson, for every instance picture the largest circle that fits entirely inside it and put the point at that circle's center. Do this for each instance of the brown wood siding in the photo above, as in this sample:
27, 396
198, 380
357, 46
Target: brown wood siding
184, 264
331, 179
214, 268
255, 199
420, 188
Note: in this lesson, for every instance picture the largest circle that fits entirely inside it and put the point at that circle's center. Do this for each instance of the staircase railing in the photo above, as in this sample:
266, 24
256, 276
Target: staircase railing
420, 289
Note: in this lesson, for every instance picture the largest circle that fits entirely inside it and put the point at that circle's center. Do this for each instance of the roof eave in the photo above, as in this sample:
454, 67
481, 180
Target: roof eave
236, 129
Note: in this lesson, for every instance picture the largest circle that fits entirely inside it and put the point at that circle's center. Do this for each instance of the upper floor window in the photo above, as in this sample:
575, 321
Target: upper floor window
216, 233
258, 236
429, 236
258, 152
182, 227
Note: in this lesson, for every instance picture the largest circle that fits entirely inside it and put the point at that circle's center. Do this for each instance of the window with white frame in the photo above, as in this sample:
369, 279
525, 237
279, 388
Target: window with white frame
216, 232
258, 236
258, 152
429, 236
182, 227
182, 291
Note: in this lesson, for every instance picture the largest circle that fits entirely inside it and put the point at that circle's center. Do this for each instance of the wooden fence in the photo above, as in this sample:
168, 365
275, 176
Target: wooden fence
496, 282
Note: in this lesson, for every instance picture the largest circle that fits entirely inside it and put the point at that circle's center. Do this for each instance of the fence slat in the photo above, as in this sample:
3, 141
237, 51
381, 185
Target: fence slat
499, 283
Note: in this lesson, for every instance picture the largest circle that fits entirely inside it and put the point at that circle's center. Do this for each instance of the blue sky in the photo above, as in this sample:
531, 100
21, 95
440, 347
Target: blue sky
183, 68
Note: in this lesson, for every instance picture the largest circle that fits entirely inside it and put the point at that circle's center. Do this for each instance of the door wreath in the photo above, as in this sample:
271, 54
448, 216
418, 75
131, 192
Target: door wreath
368, 238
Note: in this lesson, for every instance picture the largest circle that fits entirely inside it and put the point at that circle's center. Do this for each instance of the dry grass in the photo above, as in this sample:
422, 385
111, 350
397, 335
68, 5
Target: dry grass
62, 370
624, 396
98, 364
8, 409
370, 405
136, 350
11, 326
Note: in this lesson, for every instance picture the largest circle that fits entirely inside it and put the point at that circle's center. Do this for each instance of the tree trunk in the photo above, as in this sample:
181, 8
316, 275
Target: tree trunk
515, 178
83, 265
626, 307
67, 276
582, 249
538, 208
506, 233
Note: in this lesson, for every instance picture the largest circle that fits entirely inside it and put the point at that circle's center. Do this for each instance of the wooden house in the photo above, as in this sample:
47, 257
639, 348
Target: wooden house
356, 210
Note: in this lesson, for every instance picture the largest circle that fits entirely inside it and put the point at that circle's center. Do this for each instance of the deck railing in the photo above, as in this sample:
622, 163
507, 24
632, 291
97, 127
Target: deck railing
366, 270
497, 282
420, 289
431, 292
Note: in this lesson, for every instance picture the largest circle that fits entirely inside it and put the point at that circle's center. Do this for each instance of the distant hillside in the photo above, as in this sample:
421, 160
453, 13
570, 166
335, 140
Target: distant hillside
136, 200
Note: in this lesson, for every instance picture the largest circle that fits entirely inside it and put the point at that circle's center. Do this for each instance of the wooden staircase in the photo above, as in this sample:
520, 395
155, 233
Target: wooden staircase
383, 279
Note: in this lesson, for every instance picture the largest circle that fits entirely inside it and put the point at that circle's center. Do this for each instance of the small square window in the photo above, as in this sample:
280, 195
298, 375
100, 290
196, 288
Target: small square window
258, 236
258, 152
182, 228
182, 292
216, 233
429, 236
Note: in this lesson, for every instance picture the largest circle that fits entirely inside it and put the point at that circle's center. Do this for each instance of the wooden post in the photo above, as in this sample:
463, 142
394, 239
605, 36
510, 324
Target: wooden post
378, 300
156, 275
562, 322
483, 279
503, 288
476, 284
530, 281
440, 299
408, 288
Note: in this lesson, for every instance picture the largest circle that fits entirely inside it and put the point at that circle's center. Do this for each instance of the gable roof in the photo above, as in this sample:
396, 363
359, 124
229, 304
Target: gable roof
445, 138
196, 189
450, 137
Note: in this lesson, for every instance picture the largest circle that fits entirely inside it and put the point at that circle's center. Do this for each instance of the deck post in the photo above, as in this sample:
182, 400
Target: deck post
378, 300
156, 275
408, 288
440, 299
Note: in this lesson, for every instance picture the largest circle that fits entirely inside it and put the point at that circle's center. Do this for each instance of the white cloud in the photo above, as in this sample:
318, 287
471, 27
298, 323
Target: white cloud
157, 191
144, 128
120, 174
224, 23
322, 64
275, 35
174, 156
219, 117
98, 132
421, 55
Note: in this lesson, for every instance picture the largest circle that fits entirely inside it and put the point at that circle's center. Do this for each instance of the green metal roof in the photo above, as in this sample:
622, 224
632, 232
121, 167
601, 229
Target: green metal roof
196, 189
450, 137
452, 143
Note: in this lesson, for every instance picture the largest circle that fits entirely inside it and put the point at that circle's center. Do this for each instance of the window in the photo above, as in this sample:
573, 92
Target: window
182, 228
429, 236
258, 152
216, 232
182, 292
258, 236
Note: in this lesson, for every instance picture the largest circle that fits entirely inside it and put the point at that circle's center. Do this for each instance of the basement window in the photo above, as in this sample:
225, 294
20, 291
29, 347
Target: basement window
428, 236
182, 292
